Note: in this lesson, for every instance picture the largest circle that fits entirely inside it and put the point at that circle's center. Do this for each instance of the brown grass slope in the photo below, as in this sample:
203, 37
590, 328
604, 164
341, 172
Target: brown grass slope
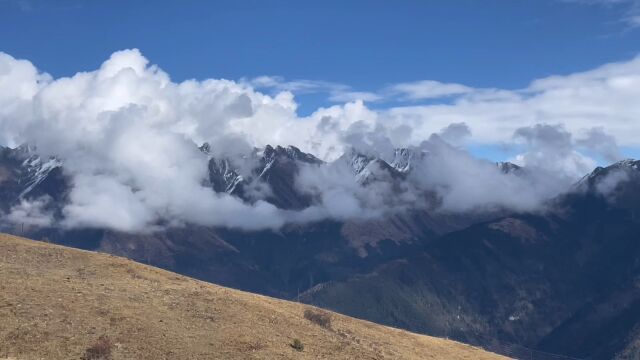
56, 302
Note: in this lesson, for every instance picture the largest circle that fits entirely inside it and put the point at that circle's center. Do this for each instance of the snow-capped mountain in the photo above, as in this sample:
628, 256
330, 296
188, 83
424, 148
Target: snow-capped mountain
223, 176
268, 173
623, 170
411, 262
25, 175
507, 167
368, 168
355, 160
405, 159
36, 171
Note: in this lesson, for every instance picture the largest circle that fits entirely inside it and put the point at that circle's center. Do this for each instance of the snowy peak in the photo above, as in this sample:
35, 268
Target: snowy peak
378, 170
627, 166
24, 175
266, 174
271, 153
205, 148
622, 178
405, 159
223, 176
226, 176
35, 171
507, 167
402, 160
367, 168
355, 160
28, 169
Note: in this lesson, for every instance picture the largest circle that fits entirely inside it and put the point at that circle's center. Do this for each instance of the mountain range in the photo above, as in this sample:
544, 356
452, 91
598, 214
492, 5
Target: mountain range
563, 279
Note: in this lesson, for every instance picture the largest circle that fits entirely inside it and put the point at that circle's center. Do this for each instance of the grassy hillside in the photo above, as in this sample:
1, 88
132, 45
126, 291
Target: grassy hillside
62, 303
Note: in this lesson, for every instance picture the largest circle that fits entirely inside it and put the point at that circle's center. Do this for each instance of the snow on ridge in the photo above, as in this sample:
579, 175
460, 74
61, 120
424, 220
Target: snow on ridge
37, 171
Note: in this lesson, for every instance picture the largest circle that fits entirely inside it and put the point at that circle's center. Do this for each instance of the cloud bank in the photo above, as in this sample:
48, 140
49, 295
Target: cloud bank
128, 137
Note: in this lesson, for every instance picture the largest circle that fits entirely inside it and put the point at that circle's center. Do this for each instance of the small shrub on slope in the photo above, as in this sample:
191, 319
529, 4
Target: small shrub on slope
318, 317
297, 344
101, 350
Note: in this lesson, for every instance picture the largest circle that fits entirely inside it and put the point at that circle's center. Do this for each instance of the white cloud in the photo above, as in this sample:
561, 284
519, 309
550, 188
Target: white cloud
550, 148
128, 136
336, 92
603, 97
466, 183
428, 89
30, 213
455, 133
350, 96
631, 9
602, 144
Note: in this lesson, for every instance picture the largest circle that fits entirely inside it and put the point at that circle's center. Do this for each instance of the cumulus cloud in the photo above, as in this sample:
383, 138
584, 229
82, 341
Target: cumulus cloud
602, 97
433, 175
341, 195
128, 137
465, 183
455, 133
550, 149
601, 143
30, 213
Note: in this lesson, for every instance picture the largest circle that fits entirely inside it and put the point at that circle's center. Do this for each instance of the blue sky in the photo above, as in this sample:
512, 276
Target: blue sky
365, 46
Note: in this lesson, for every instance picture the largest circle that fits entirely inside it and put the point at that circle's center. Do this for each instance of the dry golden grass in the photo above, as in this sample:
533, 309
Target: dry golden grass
56, 302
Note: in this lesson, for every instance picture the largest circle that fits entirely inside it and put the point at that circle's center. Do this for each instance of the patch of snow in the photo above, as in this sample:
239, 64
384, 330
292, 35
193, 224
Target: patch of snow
36, 171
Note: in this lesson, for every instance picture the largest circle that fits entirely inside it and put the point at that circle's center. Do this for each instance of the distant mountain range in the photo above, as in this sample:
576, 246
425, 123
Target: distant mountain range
565, 280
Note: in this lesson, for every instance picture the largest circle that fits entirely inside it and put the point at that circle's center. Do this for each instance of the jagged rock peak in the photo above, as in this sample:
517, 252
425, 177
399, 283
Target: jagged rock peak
405, 158
223, 176
628, 168
289, 152
205, 148
402, 160
356, 160
20, 153
508, 167
627, 164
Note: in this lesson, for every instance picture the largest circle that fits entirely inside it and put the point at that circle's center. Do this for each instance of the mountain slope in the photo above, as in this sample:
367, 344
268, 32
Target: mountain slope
565, 281
277, 263
56, 302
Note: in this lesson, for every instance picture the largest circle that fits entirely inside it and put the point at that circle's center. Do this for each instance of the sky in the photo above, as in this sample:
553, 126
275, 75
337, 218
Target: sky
331, 51
123, 92
364, 44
